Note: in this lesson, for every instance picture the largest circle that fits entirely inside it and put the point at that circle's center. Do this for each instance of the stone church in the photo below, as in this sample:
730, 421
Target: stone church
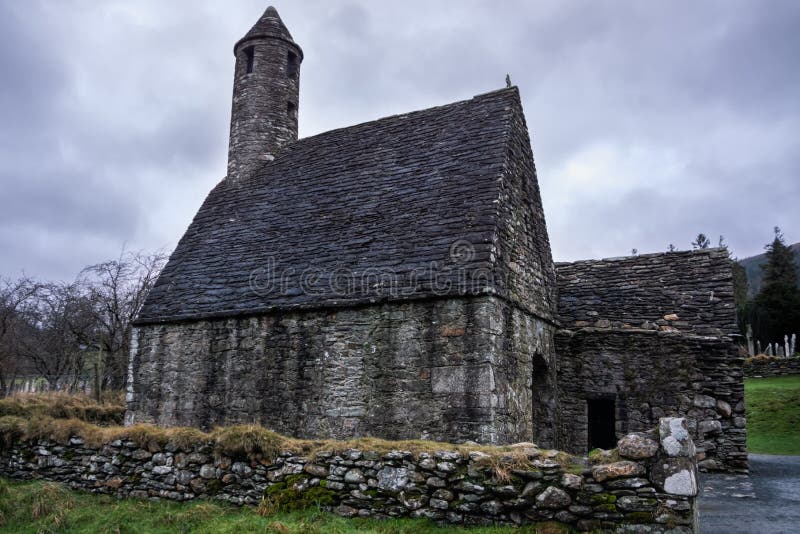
394, 279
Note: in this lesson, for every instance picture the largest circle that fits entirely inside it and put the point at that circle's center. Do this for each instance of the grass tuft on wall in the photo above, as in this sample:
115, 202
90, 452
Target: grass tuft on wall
60, 417
111, 409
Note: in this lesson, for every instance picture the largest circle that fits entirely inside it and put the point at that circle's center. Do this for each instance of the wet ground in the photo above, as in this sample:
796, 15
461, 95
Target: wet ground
765, 502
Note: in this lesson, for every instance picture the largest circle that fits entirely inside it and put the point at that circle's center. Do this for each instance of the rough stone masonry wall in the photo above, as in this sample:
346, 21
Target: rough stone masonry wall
763, 367
525, 272
453, 369
654, 374
652, 488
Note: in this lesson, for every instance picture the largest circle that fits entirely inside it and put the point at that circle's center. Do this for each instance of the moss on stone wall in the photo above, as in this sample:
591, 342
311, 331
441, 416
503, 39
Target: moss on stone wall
293, 494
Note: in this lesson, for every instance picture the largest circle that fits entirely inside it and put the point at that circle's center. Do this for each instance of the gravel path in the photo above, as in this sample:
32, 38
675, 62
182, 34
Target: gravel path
765, 502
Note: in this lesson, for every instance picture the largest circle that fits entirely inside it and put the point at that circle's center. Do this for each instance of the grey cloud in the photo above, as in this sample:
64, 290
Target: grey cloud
65, 200
114, 115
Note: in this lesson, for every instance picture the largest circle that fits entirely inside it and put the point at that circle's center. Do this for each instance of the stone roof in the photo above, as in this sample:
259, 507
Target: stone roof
269, 25
688, 291
400, 208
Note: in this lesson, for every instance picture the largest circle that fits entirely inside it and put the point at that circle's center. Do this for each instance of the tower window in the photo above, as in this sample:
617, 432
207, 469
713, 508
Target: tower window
249, 53
291, 64
291, 110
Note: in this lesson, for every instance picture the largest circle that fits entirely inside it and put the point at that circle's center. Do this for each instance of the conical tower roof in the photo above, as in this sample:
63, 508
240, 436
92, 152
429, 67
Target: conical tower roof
271, 26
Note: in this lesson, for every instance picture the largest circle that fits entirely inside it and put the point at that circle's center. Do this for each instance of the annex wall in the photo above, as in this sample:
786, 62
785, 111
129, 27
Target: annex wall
652, 374
452, 369
651, 486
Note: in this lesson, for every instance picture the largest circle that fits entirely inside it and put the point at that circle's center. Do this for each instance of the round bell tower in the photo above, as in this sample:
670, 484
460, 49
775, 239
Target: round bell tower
266, 88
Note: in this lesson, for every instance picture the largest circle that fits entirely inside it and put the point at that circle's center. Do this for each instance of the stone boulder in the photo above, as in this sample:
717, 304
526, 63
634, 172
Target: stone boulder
392, 479
675, 438
637, 447
675, 471
676, 476
624, 468
553, 498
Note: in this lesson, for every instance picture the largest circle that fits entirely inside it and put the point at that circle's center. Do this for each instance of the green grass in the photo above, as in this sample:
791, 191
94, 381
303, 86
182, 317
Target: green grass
34, 507
773, 415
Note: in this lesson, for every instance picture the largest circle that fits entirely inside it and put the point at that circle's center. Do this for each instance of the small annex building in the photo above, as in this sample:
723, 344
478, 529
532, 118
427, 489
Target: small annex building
394, 279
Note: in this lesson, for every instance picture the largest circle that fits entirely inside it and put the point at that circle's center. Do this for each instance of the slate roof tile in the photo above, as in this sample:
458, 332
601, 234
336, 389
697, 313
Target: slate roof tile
385, 199
695, 285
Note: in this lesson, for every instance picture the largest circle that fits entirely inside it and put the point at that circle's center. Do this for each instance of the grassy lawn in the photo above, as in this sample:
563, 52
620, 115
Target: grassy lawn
773, 414
48, 507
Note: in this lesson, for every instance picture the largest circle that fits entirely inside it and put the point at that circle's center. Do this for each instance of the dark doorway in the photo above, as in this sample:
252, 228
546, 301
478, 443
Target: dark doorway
543, 403
602, 424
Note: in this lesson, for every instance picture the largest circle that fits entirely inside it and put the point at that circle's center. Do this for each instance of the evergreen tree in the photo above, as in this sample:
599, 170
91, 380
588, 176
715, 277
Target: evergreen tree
776, 308
701, 242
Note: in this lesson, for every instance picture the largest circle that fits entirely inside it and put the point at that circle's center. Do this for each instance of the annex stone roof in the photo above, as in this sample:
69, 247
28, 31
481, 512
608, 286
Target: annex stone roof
686, 291
400, 208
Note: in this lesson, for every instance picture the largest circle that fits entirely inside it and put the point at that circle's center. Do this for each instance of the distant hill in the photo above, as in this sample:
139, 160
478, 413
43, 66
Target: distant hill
755, 274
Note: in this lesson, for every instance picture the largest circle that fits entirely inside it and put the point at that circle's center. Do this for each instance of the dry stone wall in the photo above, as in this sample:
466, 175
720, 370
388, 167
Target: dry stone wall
652, 374
649, 484
451, 370
771, 366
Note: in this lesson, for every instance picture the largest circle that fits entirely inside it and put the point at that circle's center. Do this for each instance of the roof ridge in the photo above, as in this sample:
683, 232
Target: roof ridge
709, 251
475, 98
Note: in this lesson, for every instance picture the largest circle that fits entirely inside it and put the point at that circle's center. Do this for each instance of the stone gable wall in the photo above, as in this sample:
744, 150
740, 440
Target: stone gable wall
653, 374
524, 265
450, 370
653, 483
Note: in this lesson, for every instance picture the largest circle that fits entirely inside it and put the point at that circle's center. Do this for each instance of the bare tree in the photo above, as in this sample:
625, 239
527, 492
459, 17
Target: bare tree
56, 329
16, 296
117, 290
51, 332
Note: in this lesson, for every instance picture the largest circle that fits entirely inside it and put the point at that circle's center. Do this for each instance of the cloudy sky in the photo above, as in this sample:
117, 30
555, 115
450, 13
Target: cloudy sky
651, 120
